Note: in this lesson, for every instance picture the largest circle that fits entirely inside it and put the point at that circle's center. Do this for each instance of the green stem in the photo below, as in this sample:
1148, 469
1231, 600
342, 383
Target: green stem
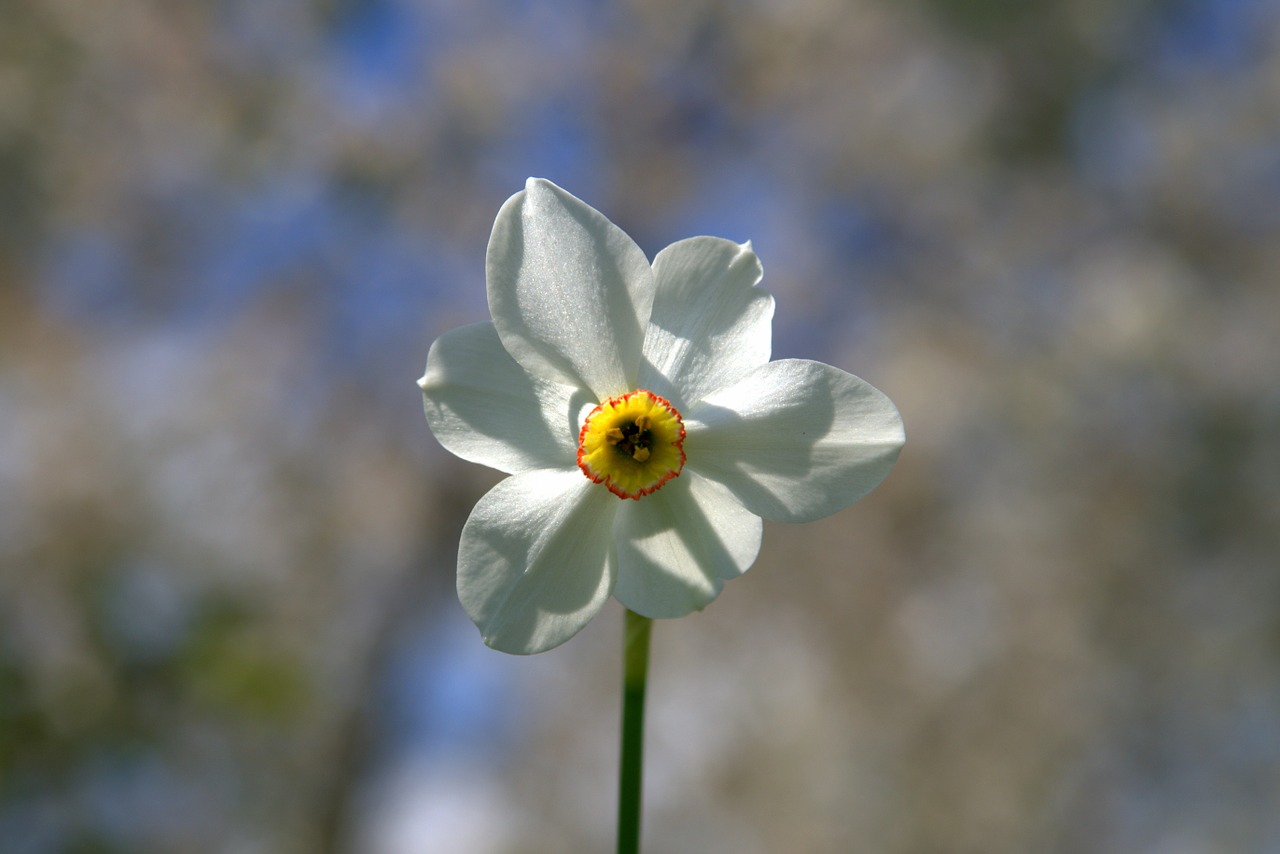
635, 654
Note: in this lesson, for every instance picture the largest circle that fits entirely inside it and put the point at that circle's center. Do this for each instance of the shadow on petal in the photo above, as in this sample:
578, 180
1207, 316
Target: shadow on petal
486, 408
797, 441
676, 547
780, 444
536, 561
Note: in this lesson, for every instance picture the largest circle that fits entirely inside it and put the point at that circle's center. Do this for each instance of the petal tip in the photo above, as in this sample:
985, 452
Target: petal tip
495, 643
530, 646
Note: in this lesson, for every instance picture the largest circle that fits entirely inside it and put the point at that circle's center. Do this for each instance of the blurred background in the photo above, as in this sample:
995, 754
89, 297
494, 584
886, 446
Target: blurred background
230, 230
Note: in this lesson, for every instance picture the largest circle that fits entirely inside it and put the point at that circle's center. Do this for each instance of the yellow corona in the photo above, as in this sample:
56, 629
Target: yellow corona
633, 444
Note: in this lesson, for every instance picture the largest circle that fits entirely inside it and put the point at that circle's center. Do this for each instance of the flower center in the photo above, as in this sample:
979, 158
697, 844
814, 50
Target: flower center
633, 443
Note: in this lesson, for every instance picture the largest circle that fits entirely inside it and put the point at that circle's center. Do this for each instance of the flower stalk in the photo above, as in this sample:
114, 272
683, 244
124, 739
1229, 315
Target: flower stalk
635, 675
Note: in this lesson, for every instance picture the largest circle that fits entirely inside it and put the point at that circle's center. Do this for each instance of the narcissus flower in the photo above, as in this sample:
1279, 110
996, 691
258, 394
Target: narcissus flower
644, 429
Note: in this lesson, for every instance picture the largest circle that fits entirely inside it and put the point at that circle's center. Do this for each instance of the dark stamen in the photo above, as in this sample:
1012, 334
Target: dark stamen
633, 439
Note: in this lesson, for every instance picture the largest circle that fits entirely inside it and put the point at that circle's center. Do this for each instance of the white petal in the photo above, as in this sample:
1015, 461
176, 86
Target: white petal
710, 325
676, 546
795, 440
485, 408
569, 291
536, 560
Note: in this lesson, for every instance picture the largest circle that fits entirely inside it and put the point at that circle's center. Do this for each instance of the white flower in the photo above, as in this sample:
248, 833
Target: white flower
645, 430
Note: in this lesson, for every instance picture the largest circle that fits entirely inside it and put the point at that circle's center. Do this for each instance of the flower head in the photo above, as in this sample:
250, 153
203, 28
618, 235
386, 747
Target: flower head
645, 430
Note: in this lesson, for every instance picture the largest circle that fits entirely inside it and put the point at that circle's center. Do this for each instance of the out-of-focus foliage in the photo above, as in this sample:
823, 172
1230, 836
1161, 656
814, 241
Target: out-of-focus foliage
229, 231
